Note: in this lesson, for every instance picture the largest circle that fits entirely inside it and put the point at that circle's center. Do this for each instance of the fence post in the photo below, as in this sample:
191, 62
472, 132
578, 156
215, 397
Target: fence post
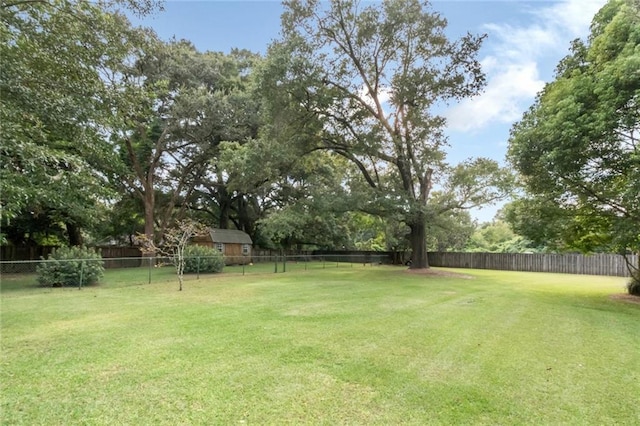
275, 268
198, 268
81, 275
149, 270
284, 263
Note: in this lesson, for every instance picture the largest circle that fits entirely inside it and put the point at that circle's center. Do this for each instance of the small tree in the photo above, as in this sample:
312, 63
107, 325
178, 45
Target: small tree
174, 242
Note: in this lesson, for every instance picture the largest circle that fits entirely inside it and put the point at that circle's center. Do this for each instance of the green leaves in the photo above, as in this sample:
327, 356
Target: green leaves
577, 147
57, 100
71, 266
361, 80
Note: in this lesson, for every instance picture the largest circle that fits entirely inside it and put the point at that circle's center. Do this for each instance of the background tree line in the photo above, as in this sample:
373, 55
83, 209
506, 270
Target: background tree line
331, 139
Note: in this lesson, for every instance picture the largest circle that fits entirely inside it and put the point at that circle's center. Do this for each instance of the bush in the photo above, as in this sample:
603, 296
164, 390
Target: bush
633, 287
71, 266
202, 259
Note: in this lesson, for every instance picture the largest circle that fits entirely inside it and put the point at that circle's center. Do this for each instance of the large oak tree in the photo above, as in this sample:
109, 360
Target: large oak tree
189, 102
364, 81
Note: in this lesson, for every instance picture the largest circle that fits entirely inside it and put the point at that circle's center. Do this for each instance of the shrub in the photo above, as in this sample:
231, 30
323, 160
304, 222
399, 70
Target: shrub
633, 287
202, 259
71, 266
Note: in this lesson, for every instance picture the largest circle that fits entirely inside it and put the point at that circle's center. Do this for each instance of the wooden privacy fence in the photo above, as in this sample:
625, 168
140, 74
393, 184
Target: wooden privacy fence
596, 264
12, 253
20, 253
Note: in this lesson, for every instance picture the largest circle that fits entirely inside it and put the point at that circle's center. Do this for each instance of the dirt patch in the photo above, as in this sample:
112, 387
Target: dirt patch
438, 273
628, 298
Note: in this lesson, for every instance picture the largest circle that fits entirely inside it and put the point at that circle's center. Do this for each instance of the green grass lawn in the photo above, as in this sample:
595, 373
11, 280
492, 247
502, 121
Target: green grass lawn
348, 345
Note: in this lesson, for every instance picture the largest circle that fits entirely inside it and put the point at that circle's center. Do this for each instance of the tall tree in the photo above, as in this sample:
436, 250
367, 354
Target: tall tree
236, 170
169, 142
577, 148
363, 81
55, 104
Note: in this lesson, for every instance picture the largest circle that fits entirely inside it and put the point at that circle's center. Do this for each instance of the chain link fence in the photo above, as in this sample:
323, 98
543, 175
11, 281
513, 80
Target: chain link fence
148, 270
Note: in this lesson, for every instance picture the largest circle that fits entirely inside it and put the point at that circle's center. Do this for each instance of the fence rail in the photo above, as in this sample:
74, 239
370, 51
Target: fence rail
597, 264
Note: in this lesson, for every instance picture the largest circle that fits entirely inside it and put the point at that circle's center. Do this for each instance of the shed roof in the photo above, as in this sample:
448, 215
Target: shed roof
229, 236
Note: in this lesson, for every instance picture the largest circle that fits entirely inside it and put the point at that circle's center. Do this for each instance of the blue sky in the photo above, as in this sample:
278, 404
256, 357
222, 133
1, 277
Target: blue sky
525, 41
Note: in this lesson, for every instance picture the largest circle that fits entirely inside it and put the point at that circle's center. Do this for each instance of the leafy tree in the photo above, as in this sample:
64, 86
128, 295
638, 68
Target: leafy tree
548, 225
366, 232
498, 237
577, 147
491, 237
30, 228
121, 221
450, 231
310, 205
231, 193
55, 103
363, 81
191, 102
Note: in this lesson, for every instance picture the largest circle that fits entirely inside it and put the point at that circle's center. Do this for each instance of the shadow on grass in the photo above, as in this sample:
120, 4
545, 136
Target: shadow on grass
18, 282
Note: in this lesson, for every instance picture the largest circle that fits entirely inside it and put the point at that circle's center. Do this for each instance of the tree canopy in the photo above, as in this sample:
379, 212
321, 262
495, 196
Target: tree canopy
56, 102
363, 81
190, 102
333, 140
577, 148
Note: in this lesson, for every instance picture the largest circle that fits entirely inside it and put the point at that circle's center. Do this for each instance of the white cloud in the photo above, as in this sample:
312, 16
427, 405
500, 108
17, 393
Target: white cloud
512, 65
501, 100
384, 96
572, 15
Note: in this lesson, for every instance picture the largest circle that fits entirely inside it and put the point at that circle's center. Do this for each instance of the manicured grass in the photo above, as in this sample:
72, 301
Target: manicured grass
360, 345
123, 277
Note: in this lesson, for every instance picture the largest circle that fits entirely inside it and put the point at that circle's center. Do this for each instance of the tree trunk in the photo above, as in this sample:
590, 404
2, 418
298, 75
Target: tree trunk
149, 205
418, 239
223, 220
74, 234
245, 219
